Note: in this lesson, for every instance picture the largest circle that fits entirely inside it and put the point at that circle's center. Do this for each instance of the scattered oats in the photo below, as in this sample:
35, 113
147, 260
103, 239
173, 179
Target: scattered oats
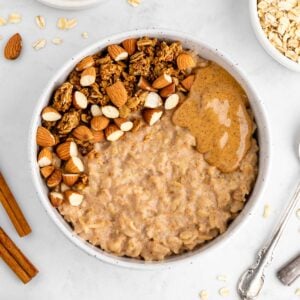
134, 3
2, 21
39, 44
298, 213
224, 292
222, 278
14, 18
57, 41
203, 295
40, 21
65, 24
267, 211
297, 292
85, 35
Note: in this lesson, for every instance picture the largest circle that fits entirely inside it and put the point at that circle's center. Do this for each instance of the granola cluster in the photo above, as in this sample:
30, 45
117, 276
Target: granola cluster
119, 89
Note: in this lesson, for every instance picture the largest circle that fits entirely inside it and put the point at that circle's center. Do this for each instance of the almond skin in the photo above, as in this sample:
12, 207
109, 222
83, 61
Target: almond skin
145, 85
54, 179
116, 52
151, 116
70, 179
83, 133
88, 76
188, 82
98, 136
99, 123
44, 137
74, 166
113, 133
45, 158
168, 90
13, 47
85, 63
66, 150
47, 171
117, 94
162, 81
185, 61
56, 199
130, 46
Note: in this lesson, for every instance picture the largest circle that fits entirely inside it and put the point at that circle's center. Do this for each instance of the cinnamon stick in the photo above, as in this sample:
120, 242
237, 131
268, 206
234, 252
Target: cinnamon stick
21, 259
12, 208
12, 263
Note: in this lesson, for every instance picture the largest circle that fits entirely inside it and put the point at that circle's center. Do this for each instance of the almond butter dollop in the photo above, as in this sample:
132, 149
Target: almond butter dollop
216, 113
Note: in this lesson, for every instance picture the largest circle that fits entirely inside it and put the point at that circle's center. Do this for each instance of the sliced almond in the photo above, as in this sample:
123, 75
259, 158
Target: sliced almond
44, 137
171, 102
74, 198
113, 133
50, 114
117, 93
54, 179
70, 179
130, 46
99, 123
98, 136
188, 82
47, 171
64, 187
79, 100
117, 53
123, 124
162, 81
83, 133
88, 76
74, 165
85, 63
151, 116
45, 157
67, 150
153, 100
168, 90
56, 198
96, 110
185, 61
13, 47
110, 111
145, 85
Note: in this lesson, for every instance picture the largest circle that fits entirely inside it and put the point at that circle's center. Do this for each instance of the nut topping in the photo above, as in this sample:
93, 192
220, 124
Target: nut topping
153, 100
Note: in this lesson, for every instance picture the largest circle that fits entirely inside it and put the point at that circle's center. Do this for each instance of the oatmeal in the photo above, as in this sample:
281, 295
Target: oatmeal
123, 156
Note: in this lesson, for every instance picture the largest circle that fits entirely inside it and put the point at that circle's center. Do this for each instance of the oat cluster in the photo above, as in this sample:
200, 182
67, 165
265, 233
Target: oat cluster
280, 21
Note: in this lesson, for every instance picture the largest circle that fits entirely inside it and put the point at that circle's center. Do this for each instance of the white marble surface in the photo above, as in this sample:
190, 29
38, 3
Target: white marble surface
65, 271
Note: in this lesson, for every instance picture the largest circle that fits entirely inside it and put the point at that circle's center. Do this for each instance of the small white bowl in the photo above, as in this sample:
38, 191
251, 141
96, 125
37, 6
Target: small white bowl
263, 135
71, 4
264, 41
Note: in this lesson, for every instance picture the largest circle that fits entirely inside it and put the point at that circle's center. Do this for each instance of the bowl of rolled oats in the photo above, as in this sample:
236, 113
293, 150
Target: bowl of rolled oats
276, 24
127, 163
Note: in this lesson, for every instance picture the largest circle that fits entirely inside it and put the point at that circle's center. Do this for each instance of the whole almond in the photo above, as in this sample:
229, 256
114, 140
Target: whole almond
98, 136
83, 133
85, 63
185, 61
44, 137
117, 93
99, 123
13, 47
130, 46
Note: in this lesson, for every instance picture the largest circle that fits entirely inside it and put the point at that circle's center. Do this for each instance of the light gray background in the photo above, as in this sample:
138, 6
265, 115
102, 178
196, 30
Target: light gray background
65, 271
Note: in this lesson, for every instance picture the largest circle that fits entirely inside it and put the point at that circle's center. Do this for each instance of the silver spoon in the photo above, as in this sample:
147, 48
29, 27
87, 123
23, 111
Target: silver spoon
252, 280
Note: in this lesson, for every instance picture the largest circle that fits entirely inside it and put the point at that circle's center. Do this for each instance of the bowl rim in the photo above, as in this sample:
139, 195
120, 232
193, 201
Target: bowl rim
265, 42
71, 5
238, 223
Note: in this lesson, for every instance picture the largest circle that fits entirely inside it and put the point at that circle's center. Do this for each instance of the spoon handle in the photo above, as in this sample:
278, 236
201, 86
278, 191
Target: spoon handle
252, 280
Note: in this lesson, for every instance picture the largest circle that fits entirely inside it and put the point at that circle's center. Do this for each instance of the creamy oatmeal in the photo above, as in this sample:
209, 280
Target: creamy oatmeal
147, 149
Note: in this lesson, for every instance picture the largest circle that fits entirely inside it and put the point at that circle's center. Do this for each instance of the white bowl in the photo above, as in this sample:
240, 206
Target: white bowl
264, 41
71, 4
204, 50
